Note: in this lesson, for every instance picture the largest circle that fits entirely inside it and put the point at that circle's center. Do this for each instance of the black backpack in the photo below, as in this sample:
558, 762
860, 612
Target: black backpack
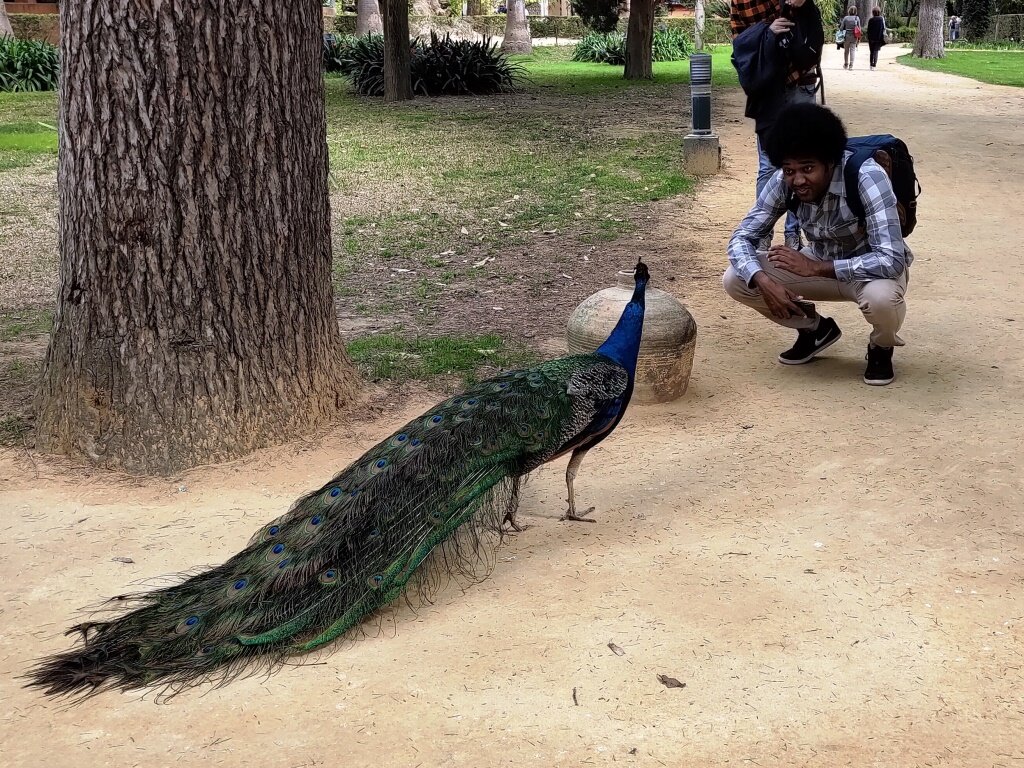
894, 157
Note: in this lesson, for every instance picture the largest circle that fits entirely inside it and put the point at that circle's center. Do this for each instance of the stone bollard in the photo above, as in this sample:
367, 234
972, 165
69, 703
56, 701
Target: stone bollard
666, 348
702, 154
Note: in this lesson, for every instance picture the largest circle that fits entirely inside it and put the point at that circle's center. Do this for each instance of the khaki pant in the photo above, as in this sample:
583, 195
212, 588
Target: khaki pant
881, 301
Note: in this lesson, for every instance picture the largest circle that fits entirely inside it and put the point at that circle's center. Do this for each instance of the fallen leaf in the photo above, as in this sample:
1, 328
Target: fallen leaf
121, 560
616, 650
465, 231
670, 682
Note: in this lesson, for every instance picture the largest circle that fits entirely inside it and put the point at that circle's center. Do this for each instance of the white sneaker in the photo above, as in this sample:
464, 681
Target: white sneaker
873, 69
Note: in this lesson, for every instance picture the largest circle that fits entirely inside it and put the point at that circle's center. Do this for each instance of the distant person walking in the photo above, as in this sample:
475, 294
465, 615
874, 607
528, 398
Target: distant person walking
850, 27
876, 34
954, 28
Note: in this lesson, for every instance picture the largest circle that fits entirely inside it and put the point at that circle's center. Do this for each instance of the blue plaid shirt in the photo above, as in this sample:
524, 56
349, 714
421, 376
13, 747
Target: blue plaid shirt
833, 232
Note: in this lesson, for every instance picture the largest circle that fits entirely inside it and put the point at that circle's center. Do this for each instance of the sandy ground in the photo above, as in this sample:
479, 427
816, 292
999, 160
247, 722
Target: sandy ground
833, 570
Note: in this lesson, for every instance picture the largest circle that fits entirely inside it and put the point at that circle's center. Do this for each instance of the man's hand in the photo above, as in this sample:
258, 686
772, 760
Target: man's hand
777, 297
781, 25
784, 257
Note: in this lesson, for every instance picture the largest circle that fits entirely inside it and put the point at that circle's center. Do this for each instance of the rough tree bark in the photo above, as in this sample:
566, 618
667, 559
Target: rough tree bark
397, 59
195, 318
930, 30
368, 19
640, 40
426, 8
698, 25
517, 29
5, 22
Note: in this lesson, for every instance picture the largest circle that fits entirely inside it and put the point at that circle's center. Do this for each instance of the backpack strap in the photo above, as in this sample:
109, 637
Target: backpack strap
851, 178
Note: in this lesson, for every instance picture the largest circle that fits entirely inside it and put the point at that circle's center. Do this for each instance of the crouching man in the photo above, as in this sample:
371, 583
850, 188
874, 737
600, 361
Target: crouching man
845, 259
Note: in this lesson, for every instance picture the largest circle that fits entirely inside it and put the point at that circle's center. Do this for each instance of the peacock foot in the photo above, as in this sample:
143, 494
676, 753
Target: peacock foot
514, 527
571, 515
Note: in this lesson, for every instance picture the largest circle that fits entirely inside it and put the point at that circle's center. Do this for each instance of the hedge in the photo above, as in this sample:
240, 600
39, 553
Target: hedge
36, 26
570, 27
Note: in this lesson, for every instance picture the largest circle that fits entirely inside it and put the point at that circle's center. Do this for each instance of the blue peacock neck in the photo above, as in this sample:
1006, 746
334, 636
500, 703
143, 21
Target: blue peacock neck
623, 344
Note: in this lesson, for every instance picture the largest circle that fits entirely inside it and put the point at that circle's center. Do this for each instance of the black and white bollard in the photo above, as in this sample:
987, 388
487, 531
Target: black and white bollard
702, 154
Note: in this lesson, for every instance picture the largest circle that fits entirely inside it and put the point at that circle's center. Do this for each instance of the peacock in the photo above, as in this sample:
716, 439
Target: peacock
430, 492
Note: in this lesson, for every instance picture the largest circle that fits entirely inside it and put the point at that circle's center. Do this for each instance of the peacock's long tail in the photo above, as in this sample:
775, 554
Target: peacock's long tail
347, 549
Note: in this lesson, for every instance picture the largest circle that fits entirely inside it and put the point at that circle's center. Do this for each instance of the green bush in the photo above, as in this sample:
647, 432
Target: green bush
444, 67
669, 45
903, 34
601, 47
28, 65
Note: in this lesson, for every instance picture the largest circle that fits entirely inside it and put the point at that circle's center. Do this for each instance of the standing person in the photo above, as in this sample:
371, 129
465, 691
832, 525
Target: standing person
864, 262
954, 28
850, 26
876, 34
800, 37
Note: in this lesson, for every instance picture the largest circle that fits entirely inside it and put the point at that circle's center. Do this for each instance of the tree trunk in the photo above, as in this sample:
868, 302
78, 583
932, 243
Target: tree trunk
195, 321
930, 30
698, 25
912, 9
517, 29
475, 8
5, 22
368, 20
640, 40
397, 59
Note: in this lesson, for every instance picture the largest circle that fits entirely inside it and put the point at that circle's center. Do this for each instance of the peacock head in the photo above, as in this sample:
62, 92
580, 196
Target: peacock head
641, 274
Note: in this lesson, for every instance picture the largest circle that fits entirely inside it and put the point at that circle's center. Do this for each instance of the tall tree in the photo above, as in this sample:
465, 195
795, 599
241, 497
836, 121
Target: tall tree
5, 22
977, 18
195, 318
368, 20
397, 54
517, 29
640, 41
931, 22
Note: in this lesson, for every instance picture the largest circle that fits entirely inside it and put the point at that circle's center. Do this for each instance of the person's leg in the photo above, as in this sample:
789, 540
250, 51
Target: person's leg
882, 303
810, 288
853, 52
846, 51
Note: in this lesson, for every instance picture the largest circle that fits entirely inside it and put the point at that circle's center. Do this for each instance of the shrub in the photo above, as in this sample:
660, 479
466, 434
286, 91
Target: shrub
669, 45
444, 67
606, 48
28, 65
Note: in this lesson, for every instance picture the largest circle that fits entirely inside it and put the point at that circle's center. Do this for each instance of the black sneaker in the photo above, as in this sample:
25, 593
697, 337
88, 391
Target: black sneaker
811, 343
879, 371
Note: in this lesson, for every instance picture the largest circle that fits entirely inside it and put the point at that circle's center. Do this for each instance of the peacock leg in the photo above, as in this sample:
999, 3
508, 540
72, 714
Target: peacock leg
512, 508
570, 476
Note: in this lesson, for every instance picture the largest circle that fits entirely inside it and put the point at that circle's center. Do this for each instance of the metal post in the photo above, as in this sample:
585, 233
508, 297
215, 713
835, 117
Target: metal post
702, 154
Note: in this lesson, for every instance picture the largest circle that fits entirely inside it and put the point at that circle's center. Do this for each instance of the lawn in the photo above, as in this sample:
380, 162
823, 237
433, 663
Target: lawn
996, 67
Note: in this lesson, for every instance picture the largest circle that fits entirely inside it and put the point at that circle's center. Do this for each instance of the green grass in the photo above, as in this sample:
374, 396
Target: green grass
13, 429
503, 170
24, 323
389, 356
21, 143
996, 67
552, 67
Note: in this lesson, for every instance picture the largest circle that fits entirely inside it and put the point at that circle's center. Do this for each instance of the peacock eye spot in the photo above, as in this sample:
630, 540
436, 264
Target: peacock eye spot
335, 492
437, 419
283, 563
192, 621
240, 584
274, 530
331, 574
278, 549
402, 438
382, 463
315, 520
416, 441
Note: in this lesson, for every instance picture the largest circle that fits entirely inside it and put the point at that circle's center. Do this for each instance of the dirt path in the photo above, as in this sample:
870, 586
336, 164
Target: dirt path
833, 570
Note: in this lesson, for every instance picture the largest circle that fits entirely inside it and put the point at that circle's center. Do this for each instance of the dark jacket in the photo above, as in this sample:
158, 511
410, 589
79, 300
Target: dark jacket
802, 52
876, 30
